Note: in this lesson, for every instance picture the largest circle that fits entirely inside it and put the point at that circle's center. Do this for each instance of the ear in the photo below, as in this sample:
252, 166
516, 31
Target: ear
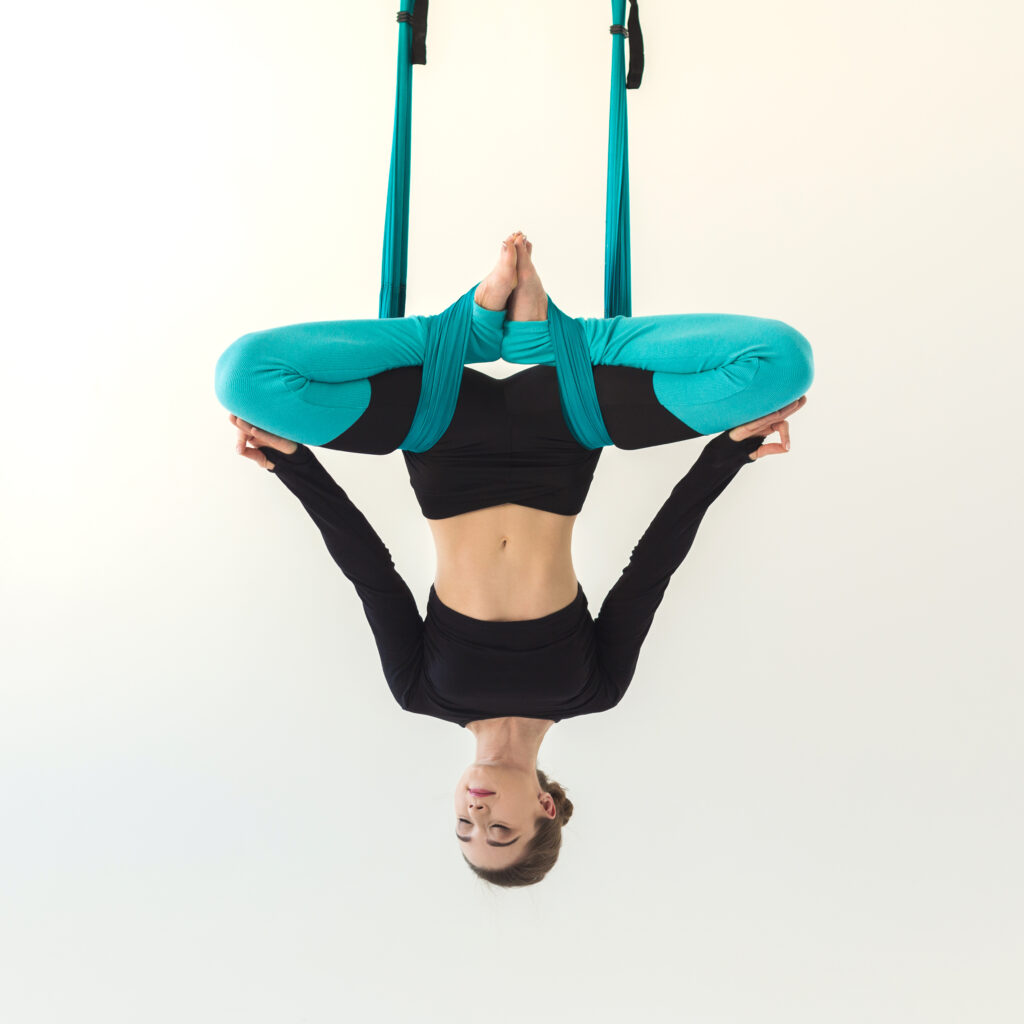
547, 802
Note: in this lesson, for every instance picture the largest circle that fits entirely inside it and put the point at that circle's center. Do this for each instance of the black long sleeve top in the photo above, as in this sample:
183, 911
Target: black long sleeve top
460, 669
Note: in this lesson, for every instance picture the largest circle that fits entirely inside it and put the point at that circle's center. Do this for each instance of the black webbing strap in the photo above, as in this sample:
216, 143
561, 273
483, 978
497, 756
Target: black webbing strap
632, 31
418, 18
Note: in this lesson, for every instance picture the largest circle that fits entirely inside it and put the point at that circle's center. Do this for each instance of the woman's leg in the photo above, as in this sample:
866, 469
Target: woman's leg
310, 382
394, 397
632, 414
710, 371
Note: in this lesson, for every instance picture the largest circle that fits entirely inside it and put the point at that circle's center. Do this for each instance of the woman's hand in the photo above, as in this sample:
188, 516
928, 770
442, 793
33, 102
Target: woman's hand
768, 425
248, 435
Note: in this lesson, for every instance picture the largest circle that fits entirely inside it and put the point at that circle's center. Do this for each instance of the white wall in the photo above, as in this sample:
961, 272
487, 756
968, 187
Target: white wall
210, 809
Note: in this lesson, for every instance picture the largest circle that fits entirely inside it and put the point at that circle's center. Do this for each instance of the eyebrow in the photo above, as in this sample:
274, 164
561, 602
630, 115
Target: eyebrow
490, 842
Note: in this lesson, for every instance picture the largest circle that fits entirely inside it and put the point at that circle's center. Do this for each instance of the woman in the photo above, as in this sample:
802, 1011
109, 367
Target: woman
508, 646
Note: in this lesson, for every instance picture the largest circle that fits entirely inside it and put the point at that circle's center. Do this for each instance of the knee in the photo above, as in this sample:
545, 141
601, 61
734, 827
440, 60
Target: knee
790, 355
236, 371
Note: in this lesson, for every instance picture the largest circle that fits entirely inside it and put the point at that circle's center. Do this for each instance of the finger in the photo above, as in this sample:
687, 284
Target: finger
763, 425
264, 439
790, 409
258, 457
787, 410
765, 428
772, 419
783, 429
769, 449
768, 423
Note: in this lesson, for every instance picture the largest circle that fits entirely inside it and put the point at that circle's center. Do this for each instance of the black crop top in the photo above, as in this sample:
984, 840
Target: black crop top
507, 442
460, 669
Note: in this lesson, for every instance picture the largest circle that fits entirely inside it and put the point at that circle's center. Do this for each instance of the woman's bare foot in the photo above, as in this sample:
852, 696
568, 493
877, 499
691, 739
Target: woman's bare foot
497, 286
529, 301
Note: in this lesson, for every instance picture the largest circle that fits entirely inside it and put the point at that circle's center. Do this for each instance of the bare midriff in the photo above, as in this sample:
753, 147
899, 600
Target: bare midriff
506, 563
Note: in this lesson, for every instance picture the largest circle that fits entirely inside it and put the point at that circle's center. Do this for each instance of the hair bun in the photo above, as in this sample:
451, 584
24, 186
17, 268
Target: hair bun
563, 805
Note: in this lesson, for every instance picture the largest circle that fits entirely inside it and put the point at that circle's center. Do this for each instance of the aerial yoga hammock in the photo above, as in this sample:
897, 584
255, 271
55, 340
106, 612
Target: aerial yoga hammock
529, 443
310, 382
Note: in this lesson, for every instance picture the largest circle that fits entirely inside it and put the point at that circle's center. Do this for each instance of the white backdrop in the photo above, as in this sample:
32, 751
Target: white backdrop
807, 808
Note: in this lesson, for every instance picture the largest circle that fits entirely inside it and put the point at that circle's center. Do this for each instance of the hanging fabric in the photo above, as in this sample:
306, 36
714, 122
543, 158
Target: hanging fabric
446, 346
580, 405
442, 365
618, 299
412, 49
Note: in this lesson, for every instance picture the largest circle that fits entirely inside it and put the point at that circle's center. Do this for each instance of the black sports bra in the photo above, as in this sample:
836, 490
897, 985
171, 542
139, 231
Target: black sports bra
508, 442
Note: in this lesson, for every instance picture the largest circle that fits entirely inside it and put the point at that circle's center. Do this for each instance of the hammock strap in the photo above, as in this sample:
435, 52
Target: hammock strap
445, 357
412, 49
580, 406
618, 299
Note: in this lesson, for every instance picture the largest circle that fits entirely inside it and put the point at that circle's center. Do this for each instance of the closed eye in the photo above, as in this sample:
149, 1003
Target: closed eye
490, 842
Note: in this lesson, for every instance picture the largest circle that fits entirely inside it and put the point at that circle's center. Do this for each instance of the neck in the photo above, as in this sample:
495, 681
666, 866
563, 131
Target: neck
510, 742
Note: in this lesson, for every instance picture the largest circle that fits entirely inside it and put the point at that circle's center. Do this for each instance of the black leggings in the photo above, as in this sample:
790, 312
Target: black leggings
508, 441
526, 404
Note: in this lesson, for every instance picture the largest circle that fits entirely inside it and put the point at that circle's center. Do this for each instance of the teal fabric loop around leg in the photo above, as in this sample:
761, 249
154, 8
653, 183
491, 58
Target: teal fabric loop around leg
448, 342
580, 406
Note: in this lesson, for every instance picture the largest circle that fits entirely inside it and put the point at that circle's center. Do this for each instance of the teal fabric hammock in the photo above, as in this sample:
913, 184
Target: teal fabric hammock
445, 354
618, 300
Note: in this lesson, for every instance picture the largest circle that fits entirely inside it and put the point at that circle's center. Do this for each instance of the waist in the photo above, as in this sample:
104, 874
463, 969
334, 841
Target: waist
505, 563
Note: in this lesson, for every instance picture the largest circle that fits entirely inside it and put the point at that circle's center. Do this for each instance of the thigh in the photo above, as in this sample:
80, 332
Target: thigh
394, 396
310, 382
632, 413
711, 371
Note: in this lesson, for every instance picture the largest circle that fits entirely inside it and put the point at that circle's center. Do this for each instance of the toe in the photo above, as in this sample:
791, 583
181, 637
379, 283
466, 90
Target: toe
509, 258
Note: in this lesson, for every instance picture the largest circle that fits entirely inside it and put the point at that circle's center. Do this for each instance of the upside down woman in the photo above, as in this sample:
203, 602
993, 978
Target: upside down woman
508, 647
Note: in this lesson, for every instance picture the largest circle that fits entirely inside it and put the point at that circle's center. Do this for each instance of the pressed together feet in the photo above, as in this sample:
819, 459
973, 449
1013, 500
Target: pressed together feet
513, 284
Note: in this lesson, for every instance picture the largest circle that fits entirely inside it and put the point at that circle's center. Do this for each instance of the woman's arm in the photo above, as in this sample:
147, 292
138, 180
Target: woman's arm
628, 609
358, 551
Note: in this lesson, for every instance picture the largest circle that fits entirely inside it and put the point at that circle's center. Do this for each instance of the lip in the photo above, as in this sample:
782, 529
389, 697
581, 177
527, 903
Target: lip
482, 792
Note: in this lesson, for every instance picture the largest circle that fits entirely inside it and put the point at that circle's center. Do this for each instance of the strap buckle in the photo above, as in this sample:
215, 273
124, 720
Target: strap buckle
631, 31
417, 17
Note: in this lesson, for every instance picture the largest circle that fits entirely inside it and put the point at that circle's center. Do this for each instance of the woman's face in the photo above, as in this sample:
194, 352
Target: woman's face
496, 813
